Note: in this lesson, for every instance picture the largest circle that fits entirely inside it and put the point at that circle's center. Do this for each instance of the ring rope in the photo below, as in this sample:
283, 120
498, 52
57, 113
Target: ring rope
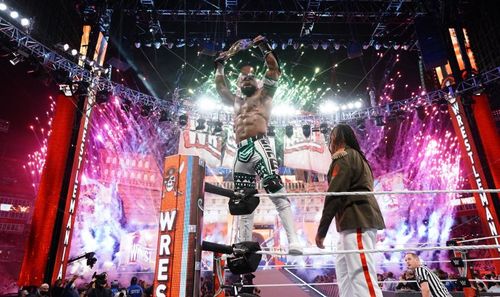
325, 253
309, 266
376, 193
378, 282
478, 239
331, 265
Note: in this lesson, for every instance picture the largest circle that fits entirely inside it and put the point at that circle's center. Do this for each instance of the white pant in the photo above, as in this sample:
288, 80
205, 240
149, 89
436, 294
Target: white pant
356, 274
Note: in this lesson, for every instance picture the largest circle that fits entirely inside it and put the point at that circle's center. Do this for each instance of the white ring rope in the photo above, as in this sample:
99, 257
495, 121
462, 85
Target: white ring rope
331, 265
478, 239
444, 248
378, 282
386, 264
377, 193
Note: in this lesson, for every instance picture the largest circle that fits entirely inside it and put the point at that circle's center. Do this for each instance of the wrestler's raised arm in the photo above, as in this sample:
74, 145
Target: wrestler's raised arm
220, 81
273, 69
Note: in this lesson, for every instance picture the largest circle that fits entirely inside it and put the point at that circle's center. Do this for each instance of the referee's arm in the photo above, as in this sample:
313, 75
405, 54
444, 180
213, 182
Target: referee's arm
424, 287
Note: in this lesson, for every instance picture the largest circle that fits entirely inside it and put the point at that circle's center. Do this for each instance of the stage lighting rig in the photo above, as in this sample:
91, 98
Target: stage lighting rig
90, 257
306, 130
289, 131
270, 131
217, 128
183, 120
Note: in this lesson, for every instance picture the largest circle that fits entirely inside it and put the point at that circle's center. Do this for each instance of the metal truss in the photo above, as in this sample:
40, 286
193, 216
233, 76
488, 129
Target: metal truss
393, 7
280, 16
472, 84
56, 61
231, 4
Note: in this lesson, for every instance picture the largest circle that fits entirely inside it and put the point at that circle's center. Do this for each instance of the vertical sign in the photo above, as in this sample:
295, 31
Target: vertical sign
484, 202
178, 256
62, 254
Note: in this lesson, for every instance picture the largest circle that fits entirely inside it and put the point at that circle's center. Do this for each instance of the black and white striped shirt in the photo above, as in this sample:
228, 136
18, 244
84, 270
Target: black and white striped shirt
424, 274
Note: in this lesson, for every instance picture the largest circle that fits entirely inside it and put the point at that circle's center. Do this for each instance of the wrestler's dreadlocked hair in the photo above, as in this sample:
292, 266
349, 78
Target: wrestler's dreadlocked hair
344, 134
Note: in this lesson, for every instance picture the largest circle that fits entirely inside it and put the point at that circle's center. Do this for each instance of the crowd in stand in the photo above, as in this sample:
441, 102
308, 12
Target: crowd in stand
98, 287
406, 282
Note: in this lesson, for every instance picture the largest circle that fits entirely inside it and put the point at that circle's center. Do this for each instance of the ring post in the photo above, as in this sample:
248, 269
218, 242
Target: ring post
177, 269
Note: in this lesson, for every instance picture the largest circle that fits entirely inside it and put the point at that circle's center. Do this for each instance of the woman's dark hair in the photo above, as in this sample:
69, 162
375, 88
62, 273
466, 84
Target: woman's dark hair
133, 281
344, 134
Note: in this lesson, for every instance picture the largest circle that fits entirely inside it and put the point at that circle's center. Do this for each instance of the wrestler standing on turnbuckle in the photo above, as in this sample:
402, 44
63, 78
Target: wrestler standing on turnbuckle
252, 109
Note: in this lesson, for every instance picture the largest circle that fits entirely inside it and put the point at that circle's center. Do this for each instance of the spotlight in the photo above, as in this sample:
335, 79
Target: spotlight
379, 121
66, 47
306, 130
324, 45
80, 88
157, 44
360, 124
201, 124
289, 131
323, 128
137, 44
102, 96
25, 22
183, 120
74, 52
3, 6
146, 110
443, 105
164, 116
217, 128
14, 14
270, 131
15, 60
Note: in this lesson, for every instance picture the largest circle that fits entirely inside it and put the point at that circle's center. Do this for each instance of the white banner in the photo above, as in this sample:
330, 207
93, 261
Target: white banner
208, 147
307, 153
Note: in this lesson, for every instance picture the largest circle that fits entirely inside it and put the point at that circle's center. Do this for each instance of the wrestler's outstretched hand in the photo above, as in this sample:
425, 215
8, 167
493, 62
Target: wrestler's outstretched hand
319, 241
258, 39
221, 59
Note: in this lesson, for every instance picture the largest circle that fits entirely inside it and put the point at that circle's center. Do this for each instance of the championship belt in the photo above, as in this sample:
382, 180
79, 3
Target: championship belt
239, 45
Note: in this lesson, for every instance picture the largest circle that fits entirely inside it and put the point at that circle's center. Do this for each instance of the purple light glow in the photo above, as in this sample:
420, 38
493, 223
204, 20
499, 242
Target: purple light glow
121, 184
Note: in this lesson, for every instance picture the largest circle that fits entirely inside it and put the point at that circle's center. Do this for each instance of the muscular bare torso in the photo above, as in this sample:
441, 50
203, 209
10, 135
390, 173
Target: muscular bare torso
252, 115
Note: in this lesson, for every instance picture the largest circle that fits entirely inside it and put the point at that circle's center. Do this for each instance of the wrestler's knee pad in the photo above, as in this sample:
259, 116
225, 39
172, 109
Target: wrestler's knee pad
272, 183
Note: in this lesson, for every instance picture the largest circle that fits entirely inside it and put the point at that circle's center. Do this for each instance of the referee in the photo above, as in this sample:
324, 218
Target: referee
429, 283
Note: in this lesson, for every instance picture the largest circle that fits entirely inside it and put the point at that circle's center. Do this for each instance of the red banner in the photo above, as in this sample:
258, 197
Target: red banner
46, 206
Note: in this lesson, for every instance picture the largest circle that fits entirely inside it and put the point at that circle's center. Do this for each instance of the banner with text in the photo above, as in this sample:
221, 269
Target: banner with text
309, 153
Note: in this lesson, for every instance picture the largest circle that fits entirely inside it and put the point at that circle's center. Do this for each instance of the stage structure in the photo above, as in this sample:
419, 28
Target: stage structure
474, 126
